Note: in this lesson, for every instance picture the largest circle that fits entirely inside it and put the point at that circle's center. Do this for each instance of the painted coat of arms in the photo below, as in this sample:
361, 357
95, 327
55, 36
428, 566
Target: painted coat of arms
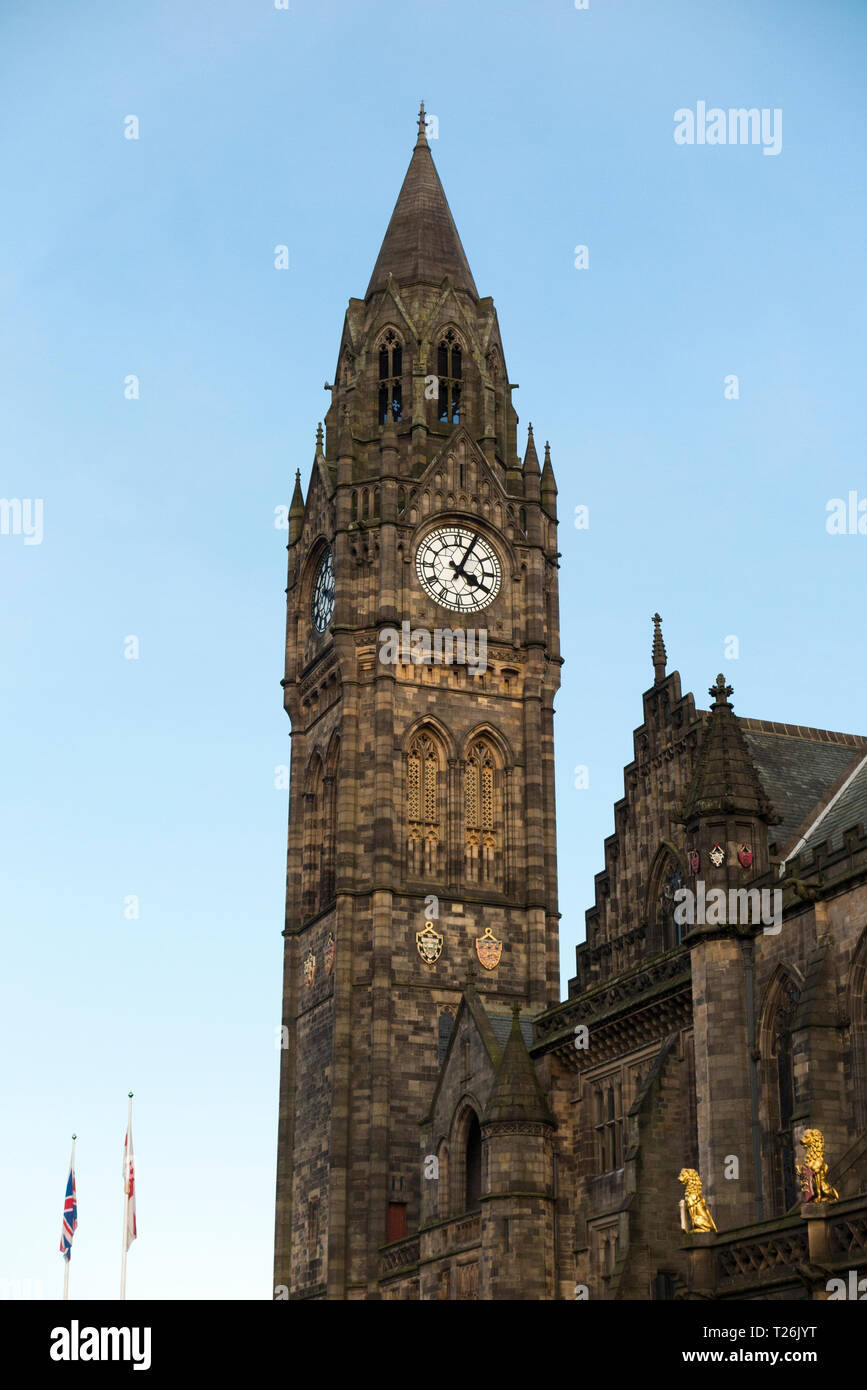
745, 856
309, 969
429, 943
717, 855
329, 953
489, 949
694, 860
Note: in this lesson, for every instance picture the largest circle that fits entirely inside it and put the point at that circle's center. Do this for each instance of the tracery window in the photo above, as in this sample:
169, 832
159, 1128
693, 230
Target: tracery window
390, 374
482, 817
783, 1137
423, 805
450, 373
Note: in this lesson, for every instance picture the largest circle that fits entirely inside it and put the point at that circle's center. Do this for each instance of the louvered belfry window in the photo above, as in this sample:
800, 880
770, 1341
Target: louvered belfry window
482, 832
450, 373
390, 373
422, 797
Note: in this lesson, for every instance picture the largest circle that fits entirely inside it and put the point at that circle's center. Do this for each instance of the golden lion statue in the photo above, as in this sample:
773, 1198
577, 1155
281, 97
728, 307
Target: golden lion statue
814, 1173
699, 1214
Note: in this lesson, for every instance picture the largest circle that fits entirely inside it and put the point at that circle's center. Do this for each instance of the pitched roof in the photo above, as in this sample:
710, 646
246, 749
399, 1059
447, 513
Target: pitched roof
846, 810
800, 769
421, 242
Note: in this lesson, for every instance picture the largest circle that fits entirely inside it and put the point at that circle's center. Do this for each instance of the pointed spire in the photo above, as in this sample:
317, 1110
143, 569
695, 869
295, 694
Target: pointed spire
549, 485
658, 653
516, 1094
421, 243
320, 450
531, 458
296, 510
724, 779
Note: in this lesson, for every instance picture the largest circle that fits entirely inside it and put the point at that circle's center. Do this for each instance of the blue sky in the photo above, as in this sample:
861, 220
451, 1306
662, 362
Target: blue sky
155, 777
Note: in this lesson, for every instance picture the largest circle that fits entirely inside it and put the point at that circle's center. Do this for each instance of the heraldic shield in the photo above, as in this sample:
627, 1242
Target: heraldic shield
489, 949
429, 943
309, 969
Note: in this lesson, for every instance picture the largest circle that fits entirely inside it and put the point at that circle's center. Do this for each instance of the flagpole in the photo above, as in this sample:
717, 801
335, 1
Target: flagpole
125, 1200
66, 1259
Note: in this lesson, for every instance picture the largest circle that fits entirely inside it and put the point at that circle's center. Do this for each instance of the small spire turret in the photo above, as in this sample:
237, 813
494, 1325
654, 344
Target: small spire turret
658, 651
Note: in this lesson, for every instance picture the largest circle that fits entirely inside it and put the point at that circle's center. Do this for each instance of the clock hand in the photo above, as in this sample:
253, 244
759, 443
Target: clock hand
469, 548
458, 569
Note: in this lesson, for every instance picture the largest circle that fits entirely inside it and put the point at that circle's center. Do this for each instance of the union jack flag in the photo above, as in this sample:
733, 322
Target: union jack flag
70, 1212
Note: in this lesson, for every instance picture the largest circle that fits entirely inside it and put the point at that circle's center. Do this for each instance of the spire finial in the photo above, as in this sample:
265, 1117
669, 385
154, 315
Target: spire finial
720, 692
658, 651
319, 437
421, 142
531, 458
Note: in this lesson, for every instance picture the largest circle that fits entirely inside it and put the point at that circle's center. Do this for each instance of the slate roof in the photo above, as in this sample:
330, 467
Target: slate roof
516, 1093
421, 242
502, 1026
847, 811
800, 770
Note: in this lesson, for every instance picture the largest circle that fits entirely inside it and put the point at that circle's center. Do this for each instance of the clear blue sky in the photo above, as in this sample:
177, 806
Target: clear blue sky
154, 257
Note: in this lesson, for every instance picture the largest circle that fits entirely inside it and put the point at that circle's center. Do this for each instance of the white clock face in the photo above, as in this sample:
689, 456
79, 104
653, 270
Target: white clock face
322, 605
459, 568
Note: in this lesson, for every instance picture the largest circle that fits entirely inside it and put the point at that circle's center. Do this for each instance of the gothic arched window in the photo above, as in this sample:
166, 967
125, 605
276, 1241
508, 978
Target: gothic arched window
423, 806
665, 879
858, 1015
329, 823
483, 830
777, 1055
474, 1165
450, 373
390, 374
444, 1034
311, 859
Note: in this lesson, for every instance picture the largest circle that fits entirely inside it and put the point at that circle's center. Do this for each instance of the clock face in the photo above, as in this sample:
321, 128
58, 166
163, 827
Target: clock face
459, 568
322, 606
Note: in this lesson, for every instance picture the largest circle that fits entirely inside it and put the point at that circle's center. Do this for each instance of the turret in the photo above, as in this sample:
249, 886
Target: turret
518, 1208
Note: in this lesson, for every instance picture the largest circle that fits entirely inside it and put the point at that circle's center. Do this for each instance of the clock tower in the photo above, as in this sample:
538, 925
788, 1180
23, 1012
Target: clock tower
422, 661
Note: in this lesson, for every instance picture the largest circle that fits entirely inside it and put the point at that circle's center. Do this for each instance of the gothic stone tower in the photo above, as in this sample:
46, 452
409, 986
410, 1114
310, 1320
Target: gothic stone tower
421, 790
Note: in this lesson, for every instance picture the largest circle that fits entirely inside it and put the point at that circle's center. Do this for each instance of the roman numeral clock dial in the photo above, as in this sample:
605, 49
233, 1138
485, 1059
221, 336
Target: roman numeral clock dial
458, 568
322, 604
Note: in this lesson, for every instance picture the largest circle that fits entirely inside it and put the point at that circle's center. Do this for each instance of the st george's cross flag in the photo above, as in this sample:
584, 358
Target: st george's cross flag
70, 1211
129, 1188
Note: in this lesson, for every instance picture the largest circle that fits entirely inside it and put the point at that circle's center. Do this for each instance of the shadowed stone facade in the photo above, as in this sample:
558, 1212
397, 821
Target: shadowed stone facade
449, 1129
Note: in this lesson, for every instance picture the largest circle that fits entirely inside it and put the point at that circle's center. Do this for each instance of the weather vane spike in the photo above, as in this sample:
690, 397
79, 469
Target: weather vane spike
422, 127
